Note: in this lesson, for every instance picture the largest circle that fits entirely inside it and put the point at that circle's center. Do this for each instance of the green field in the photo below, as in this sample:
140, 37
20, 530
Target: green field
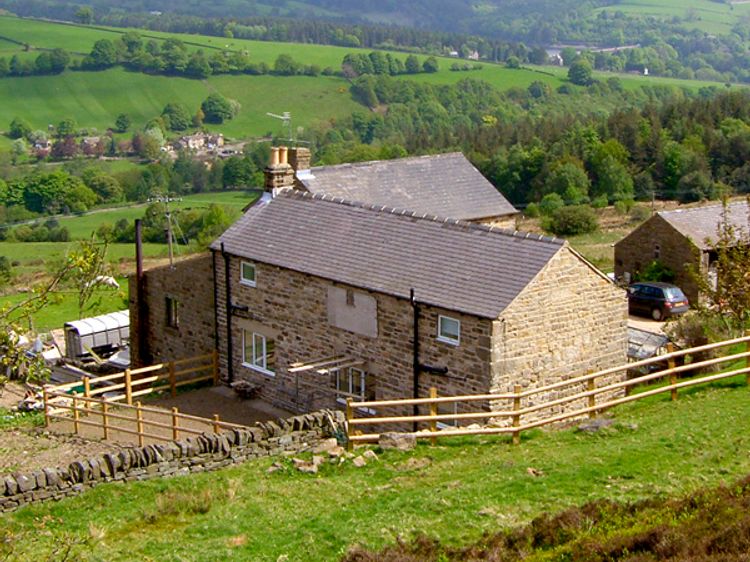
455, 491
94, 99
706, 15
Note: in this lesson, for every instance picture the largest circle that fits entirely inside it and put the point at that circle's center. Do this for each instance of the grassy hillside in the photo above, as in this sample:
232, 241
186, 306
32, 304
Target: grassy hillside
94, 99
707, 15
455, 491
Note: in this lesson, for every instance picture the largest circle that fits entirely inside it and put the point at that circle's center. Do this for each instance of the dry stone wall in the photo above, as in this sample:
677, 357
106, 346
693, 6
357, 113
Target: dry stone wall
194, 454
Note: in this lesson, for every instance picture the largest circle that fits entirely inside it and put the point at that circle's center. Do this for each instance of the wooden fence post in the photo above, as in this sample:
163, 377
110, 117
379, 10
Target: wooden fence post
105, 420
215, 365
128, 388
517, 417
139, 423
433, 412
591, 386
672, 376
76, 425
175, 424
87, 394
747, 359
172, 379
45, 397
217, 427
349, 417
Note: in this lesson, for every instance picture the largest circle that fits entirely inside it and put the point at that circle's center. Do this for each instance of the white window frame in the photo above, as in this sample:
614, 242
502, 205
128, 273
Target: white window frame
244, 280
349, 374
448, 339
259, 357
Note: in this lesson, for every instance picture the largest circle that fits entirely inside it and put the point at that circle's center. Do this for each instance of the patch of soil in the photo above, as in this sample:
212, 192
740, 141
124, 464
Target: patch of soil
26, 450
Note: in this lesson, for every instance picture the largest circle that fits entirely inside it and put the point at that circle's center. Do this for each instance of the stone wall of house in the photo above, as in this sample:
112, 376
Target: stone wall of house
657, 239
292, 309
193, 454
570, 320
190, 283
506, 222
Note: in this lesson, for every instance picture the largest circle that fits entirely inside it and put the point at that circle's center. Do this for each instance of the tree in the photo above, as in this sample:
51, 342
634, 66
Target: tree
580, 72
122, 123
412, 65
176, 117
216, 109
84, 15
102, 55
18, 149
513, 62
430, 65
59, 60
67, 127
570, 181
284, 65
614, 181
198, 66
19, 128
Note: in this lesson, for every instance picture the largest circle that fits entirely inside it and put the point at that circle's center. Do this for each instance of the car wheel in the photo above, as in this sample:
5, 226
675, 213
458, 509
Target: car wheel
656, 314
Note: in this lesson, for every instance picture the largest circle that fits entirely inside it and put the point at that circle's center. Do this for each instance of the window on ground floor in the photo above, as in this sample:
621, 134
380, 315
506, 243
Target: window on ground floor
258, 352
354, 383
173, 319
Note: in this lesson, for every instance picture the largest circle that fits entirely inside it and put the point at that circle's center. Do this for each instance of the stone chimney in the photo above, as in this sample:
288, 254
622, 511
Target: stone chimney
279, 174
299, 158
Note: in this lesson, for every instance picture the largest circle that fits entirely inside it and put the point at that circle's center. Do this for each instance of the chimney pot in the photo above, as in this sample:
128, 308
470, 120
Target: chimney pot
283, 152
274, 156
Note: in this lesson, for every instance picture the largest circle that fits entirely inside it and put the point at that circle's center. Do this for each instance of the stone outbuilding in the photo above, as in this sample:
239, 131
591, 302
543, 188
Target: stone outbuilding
679, 239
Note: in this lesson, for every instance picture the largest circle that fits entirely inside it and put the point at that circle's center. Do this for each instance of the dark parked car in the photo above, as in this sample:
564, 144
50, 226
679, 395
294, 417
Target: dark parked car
657, 300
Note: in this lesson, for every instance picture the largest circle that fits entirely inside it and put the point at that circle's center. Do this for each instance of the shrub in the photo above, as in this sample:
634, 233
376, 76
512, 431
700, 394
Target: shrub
600, 201
550, 203
623, 206
640, 213
532, 210
655, 271
572, 220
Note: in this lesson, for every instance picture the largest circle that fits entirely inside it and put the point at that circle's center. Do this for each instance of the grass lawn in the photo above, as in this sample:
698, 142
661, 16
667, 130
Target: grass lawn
454, 491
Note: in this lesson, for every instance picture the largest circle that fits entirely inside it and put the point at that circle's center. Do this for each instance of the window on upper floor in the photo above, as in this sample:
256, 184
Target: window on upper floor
247, 274
449, 330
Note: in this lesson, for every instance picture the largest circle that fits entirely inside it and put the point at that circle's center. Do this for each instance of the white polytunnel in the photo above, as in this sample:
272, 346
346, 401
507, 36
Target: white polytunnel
107, 330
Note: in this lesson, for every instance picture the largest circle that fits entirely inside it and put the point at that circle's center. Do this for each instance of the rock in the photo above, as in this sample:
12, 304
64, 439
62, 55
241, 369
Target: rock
275, 467
308, 468
317, 460
325, 446
370, 455
398, 441
531, 471
336, 452
359, 462
25, 483
592, 426
487, 512
299, 462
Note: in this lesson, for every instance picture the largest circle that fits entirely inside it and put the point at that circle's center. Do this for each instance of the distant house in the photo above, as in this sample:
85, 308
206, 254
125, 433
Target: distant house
680, 240
315, 298
443, 185
200, 141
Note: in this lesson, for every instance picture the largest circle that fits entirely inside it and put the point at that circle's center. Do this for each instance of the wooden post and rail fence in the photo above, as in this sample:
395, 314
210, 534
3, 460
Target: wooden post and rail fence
100, 395
510, 420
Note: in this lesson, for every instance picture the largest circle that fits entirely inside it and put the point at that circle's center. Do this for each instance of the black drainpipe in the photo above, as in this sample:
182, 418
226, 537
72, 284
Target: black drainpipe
228, 284
415, 355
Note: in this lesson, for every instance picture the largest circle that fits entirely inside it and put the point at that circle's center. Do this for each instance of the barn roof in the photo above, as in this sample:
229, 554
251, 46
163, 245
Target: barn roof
701, 224
446, 185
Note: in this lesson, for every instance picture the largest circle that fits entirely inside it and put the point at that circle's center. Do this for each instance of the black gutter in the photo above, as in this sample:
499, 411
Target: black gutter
144, 351
228, 285
415, 354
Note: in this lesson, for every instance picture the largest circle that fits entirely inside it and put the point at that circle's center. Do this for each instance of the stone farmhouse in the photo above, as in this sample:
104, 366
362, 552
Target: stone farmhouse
446, 185
679, 239
314, 298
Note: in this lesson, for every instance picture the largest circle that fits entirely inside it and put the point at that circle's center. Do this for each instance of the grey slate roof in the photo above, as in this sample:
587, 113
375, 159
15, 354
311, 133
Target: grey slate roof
447, 185
701, 223
451, 264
